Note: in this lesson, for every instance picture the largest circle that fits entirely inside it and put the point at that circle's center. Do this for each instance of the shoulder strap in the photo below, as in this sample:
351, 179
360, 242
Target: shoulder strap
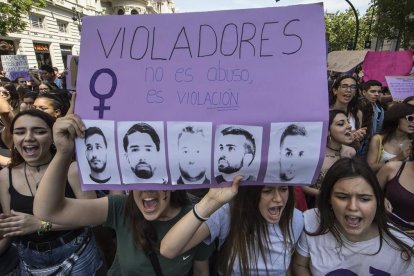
10, 176
400, 170
155, 263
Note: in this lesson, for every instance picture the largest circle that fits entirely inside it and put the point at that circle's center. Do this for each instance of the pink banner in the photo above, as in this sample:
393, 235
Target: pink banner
377, 65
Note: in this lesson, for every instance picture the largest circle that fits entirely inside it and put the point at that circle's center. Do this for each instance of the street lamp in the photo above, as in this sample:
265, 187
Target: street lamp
357, 24
77, 17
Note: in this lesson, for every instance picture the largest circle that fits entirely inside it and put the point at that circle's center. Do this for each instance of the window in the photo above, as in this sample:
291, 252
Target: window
63, 26
121, 12
134, 11
37, 21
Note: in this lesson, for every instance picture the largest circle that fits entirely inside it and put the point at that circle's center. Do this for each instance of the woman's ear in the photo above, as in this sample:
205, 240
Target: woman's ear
58, 113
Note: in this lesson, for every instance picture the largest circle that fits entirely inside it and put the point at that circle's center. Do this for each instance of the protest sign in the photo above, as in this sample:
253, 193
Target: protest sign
72, 72
15, 66
377, 65
343, 61
400, 87
191, 98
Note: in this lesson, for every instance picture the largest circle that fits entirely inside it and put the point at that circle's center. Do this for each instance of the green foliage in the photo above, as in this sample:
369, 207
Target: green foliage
395, 20
13, 12
340, 27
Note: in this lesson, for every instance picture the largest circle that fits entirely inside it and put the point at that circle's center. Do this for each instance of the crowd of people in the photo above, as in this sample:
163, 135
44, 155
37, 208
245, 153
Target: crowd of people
355, 220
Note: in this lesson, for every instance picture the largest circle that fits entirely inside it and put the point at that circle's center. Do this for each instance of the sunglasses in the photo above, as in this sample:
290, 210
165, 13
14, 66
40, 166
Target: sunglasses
410, 118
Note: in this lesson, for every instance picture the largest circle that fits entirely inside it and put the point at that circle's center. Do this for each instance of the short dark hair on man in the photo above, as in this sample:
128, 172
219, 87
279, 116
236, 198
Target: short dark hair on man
95, 130
143, 128
292, 130
191, 130
47, 68
249, 146
367, 85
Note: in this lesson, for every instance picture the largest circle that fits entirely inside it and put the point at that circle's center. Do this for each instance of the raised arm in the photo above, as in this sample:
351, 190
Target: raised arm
190, 231
50, 202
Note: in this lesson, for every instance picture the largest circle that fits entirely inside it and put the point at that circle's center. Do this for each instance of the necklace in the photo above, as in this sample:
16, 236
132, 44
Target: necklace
36, 181
337, 152
27, 180
38, 166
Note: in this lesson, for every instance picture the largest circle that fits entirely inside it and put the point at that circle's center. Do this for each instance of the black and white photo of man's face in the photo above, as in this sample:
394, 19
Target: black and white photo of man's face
291, 152
231, 153
96, 153
141, 154
191, 149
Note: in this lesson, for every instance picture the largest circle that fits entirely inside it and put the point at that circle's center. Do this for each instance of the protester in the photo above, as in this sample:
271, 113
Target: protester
348, 233
9, 92
43, 246
393, 143
339, 136
48, 74
373, 113
46, 86
55, 104
344, 96
140, 219
28, 101
259, 228
396, 179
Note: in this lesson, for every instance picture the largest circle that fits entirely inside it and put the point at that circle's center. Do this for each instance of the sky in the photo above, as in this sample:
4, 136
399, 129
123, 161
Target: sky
330, 6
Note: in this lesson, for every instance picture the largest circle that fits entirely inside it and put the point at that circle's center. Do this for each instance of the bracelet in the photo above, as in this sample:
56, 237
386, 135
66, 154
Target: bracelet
45, 226
195, 212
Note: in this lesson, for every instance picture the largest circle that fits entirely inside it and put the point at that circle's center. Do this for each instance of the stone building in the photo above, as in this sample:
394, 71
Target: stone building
53, 32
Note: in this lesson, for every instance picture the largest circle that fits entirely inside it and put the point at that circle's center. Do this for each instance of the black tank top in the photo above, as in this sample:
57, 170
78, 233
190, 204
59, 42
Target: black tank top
24, 204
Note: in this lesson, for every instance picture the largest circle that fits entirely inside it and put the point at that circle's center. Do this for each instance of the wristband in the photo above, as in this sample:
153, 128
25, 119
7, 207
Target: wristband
45, 226
200, 218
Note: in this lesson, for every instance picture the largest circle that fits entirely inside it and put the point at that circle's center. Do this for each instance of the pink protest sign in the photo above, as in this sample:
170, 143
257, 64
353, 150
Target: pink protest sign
178, 101
377, 65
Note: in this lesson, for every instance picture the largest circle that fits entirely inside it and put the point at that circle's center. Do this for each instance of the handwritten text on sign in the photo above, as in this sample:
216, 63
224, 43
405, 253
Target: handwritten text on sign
238, 69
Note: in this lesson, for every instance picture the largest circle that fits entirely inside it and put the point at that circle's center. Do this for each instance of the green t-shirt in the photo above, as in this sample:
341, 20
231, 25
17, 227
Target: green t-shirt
133, 261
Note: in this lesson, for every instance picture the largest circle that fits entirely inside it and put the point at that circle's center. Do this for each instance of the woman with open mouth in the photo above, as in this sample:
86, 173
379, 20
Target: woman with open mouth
337, 146
348, 233
344, 96
393, 143
43, 247
140, 219
259, 229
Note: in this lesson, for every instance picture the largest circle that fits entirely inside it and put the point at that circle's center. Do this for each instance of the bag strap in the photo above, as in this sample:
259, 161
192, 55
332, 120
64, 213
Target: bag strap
155, 263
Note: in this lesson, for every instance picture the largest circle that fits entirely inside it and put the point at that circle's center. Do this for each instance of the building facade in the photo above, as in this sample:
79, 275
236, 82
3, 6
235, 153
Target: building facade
53, 32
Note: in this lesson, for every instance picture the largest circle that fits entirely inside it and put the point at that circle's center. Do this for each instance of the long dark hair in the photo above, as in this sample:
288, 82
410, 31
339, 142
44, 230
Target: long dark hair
249, 237
352, 105
392, 117
14, 96
143, 231
16, 158
348, 168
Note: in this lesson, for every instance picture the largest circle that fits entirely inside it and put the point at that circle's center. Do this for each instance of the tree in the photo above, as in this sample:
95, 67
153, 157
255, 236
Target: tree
12, 13
395, 20
340, 27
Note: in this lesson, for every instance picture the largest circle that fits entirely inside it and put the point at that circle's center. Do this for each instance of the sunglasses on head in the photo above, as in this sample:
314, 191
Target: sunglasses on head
410, 118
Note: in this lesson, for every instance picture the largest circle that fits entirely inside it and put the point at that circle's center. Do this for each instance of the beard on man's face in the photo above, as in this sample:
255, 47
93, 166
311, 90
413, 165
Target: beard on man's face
99, 167
225, 167
186, 175
143, 170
